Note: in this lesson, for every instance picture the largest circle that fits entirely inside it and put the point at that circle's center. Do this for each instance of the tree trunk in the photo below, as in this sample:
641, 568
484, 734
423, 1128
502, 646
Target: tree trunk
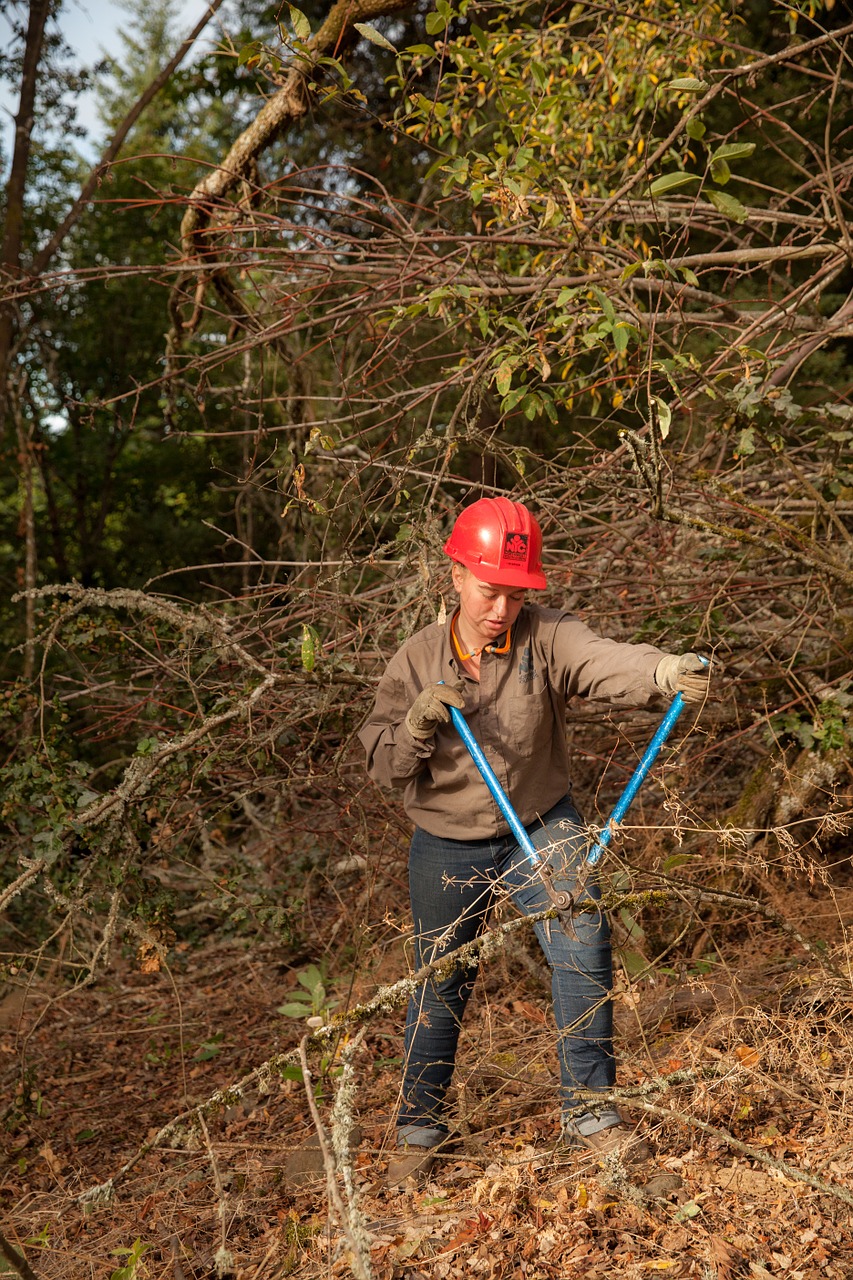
10, 254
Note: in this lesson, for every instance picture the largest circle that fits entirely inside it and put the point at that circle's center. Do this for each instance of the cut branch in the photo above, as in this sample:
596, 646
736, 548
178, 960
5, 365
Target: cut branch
391, 997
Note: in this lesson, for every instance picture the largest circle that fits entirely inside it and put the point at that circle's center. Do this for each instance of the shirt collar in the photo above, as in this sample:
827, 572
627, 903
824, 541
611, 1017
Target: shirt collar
500, 648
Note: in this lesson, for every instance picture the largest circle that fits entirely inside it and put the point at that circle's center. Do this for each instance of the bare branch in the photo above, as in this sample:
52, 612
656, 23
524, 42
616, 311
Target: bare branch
45, 254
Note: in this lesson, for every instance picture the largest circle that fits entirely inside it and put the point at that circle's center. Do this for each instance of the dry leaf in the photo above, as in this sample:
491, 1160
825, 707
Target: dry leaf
747, 1056
727, 1257
471, 1228
529, 1011
148, 958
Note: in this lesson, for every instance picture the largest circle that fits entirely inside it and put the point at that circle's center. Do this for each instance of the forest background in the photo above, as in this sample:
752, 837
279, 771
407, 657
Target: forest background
339, 270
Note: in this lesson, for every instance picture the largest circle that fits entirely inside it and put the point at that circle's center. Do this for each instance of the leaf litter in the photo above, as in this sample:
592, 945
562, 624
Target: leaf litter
97, 1074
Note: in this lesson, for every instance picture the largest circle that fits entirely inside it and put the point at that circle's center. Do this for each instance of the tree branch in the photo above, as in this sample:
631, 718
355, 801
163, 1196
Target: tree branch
287, 104
391, 997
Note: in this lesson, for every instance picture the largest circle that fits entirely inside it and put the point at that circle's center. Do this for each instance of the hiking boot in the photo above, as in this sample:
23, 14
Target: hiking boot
618, 1141
410, 1162
415, 1155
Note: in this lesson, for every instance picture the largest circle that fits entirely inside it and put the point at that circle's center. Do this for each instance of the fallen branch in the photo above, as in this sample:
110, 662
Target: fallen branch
752, 1153
384, 1001
772, 917
636, 1095
224, 1260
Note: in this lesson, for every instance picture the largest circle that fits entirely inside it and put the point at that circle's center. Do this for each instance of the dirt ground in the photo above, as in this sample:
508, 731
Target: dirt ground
753, 1136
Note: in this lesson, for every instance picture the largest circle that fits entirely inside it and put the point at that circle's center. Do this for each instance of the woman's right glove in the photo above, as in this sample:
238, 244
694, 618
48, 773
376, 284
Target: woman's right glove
685, 673
429, 709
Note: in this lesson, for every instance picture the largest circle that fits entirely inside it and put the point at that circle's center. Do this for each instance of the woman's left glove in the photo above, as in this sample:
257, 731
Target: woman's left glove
685, 673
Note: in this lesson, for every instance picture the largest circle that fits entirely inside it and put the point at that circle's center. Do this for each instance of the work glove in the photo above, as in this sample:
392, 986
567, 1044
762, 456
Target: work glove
429, 709
685, 673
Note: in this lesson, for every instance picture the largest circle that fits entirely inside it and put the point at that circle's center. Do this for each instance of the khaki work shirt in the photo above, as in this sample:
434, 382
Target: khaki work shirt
517, 713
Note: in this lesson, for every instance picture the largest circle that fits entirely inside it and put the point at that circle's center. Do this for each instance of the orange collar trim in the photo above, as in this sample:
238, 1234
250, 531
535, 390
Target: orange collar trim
486, 648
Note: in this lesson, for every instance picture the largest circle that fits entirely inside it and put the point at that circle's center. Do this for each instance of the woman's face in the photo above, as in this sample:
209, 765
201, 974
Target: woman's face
486, 609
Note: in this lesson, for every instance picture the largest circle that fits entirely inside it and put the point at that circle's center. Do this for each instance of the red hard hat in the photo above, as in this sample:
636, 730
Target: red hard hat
500, 542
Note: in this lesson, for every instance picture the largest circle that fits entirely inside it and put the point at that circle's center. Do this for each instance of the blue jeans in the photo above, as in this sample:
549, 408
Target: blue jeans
452, 885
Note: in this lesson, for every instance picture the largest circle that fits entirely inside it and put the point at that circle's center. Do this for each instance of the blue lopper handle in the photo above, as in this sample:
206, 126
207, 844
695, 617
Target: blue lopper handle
637, 778
493, 783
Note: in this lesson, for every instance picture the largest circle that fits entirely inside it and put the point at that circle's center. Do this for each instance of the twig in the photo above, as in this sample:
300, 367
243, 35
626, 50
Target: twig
635, 1094
810, 555
771, 1162
384, 1001
178, 1272
12, 890
221, 1195
343, 1122
773, 917
45, 254
728, 78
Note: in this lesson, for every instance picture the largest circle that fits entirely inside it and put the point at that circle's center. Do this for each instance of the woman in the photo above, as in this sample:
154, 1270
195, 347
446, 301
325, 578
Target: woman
513, 668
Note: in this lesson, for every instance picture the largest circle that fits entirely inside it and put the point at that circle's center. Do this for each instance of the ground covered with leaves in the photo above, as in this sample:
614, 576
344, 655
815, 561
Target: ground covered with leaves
739, 1067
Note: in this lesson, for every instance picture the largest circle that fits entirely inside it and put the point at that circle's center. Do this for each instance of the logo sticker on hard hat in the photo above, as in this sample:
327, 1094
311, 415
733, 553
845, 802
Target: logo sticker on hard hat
515, 548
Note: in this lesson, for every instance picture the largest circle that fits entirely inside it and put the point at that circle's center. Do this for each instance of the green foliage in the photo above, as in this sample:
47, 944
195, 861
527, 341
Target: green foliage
527, 120
370, 33
551, 109
717, 165
311, 647
134, 1268
247, 909
309, 999
42, 794
828, 728
299, 22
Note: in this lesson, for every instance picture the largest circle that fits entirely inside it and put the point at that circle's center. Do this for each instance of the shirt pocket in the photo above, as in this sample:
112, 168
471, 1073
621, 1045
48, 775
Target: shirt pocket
531, 721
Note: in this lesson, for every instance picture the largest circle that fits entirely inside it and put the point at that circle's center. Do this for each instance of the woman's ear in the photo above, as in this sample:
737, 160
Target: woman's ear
457, 572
